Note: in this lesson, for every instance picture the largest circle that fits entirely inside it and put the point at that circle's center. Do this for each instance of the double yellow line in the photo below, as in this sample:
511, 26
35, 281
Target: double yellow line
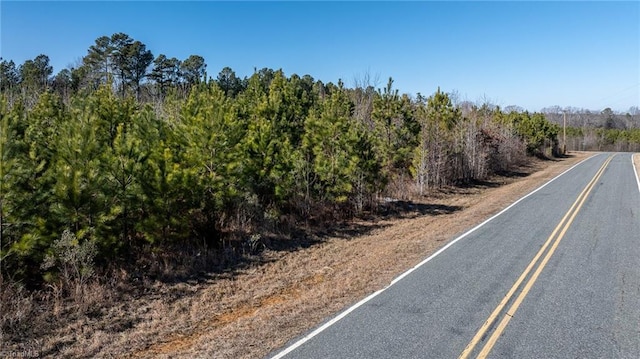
555, 238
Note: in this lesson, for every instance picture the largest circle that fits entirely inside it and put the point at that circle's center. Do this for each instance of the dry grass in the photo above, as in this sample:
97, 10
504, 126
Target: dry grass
250, 312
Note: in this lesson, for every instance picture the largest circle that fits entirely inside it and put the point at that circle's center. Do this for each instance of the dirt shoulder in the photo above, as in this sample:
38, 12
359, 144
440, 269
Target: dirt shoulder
260, 308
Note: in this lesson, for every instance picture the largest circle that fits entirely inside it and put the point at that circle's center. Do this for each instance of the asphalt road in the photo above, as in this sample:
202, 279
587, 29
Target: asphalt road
556, 275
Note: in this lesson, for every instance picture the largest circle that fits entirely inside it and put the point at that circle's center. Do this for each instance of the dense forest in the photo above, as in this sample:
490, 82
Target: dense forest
131, 159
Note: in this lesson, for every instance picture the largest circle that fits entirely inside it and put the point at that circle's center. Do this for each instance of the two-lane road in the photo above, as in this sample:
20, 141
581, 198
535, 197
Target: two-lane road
555, 275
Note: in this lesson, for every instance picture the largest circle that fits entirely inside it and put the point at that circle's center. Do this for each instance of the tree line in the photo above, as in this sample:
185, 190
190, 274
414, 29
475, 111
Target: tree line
605, 130
118, 60
132, 162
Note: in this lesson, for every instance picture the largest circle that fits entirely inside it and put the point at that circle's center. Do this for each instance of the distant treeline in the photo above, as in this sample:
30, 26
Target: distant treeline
598, 131
116, 164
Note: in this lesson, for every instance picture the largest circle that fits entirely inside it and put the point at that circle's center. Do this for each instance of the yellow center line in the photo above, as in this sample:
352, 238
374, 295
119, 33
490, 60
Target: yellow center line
562, 227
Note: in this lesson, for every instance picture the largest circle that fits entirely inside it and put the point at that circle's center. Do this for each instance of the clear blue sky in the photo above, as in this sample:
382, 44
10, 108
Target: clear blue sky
530, 54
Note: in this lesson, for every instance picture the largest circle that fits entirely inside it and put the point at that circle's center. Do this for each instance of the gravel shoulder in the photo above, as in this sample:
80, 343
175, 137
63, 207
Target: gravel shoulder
256, 310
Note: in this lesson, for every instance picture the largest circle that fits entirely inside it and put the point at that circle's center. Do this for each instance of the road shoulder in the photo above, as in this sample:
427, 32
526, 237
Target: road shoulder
260, 308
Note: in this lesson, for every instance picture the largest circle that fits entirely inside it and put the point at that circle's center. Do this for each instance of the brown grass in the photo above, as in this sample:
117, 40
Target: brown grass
250, 312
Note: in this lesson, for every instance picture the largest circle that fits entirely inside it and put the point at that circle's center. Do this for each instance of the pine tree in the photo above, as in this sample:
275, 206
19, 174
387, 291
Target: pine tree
328, 141
165, 187
122, 165
395, 127
213, 152
7, 163
99, 60
166, 72
267, 143
34, 182
79, 199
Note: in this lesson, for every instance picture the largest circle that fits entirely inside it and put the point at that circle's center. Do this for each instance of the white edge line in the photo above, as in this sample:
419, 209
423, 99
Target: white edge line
635, 170
305, 339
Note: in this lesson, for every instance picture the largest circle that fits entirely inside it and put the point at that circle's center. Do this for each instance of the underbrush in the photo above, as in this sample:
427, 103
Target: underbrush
84, 300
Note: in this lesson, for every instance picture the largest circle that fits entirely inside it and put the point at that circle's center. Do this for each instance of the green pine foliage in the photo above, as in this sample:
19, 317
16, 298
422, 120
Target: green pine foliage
535, 131
396, 128
329, 140
7, 173
213, 155
128, 176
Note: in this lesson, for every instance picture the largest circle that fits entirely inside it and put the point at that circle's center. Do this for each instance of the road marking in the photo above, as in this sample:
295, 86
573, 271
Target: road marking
562, 227
633, 164
328, 324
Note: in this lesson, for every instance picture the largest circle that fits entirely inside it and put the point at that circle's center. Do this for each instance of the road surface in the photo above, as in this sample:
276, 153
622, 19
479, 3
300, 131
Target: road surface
555, 275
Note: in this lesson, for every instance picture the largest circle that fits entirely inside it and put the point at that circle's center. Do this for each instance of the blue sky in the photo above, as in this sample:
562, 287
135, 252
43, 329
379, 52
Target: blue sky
529, 54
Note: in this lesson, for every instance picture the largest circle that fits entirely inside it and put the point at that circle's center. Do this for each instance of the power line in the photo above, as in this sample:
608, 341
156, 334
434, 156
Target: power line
603, 100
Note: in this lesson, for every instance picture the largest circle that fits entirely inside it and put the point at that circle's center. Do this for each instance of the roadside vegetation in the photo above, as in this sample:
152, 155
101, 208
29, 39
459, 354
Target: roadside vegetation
598, 131
131, 168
